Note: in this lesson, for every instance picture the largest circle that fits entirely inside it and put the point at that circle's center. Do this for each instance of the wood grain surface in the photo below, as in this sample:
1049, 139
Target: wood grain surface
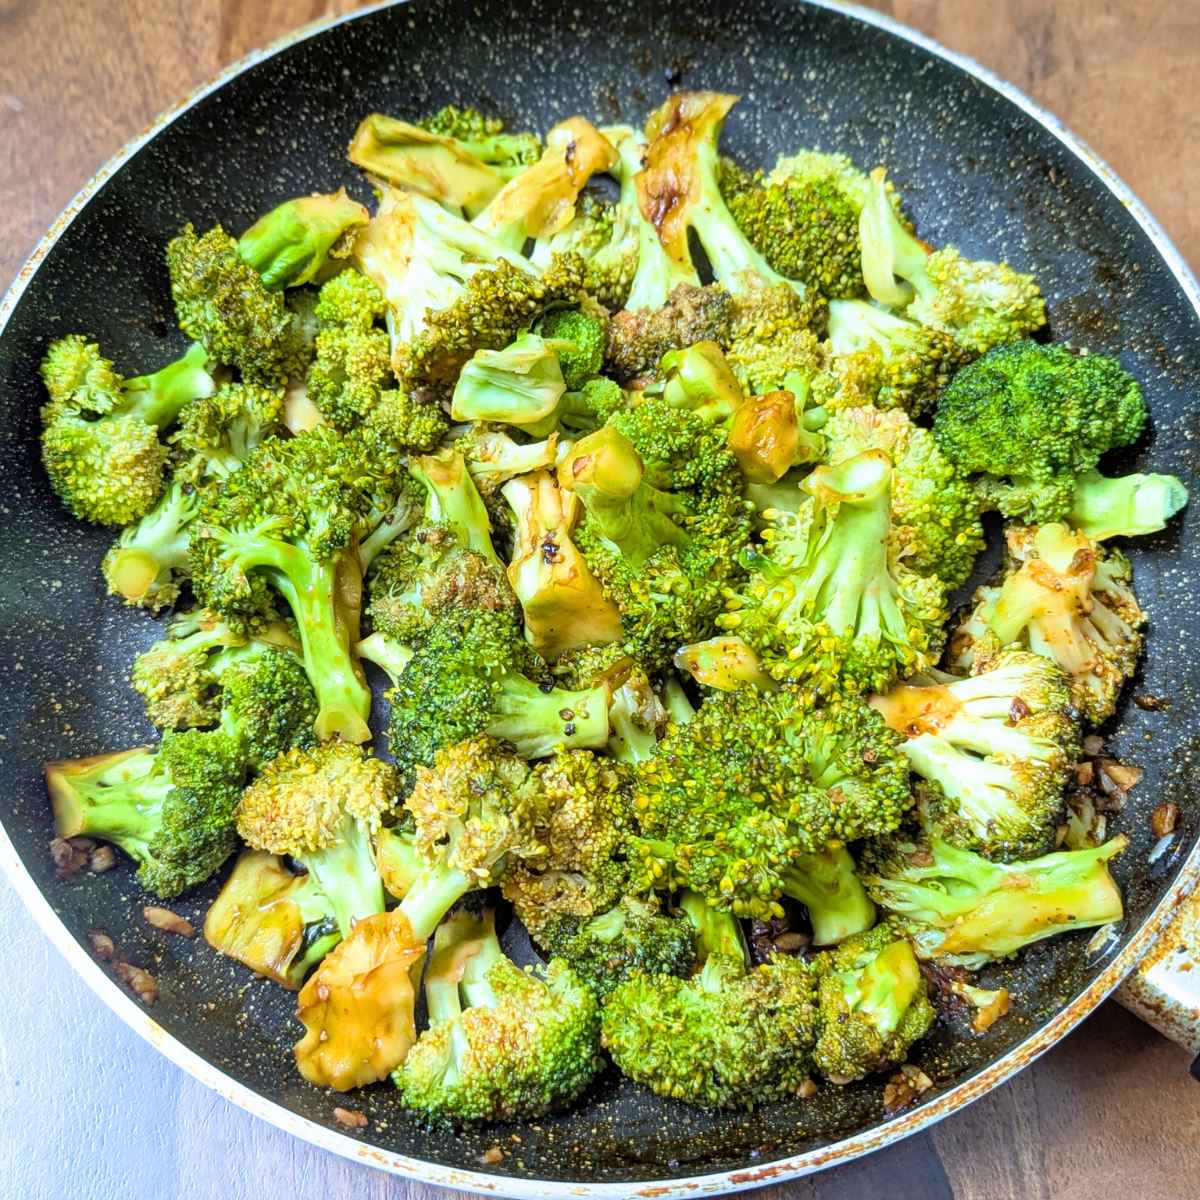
89, 1110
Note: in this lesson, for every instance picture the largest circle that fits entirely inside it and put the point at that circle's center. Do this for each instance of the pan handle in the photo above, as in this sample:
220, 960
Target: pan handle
1164, 988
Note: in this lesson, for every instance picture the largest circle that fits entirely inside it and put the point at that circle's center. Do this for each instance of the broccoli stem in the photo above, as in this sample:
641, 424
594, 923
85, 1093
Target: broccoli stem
390, 656
718, 934
116, 797
886, 986
346, 873
454, 500
433, 894
159, 398
317, 592
145, 555
631, 741
1128, 506
828, 886
536, 720
675, 701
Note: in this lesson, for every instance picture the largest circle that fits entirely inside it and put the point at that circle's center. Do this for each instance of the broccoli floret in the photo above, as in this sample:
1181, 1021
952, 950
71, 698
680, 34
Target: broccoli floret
277, 923
180, 676
100, 436
564, 605
729, 1037
503, 1043
873, 1005
803, 218
222, 303
267, 705
288, 521
349, 298
634, 937
664, 523
961, 908
1064, 598
427, 575
351, 369
289, 245
829, 603
756, 778
583, 336
1128, 506
320, 806
999, 747
679, 193
1029, 418
472, 675
605, 237
485, 137
980, 304
407, 424
540, 201
148, 562
935, 528
638, 337
452, 289
876, 357
170, 809
771, 344
471, 812
432, 163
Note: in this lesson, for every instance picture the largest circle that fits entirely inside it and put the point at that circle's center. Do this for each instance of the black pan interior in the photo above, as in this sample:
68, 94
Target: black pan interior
974, 170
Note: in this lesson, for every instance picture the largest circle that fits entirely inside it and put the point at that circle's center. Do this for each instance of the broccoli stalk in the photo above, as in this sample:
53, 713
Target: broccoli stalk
521, 385
503, 1044
724, 663
1128, 506
958, 907
827, 885
171, 809
289, 245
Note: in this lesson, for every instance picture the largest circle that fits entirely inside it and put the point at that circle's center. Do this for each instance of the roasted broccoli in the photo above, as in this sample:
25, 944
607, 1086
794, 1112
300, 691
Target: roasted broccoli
100, 433
1029, 418
997, 747
1065, 598
730, 1037
502, 1043
1128, 506
171, 809
961, 908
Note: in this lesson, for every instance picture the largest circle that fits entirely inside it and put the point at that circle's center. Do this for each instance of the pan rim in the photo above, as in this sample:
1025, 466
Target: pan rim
525, 1188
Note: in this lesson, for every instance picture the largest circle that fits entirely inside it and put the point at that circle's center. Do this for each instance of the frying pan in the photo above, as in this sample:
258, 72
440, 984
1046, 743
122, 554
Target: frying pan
978, 164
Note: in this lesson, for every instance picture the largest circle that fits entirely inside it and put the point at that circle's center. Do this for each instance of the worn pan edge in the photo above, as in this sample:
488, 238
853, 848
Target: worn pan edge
718, 1183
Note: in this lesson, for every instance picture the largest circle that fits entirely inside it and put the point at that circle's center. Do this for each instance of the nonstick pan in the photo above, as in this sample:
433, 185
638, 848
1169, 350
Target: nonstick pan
979, 166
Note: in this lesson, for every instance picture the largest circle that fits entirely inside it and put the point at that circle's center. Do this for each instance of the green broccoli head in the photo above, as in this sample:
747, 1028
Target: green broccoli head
1029, 418
473, 674
267, 704
171, 809
755, 779
351, 299
503, 1043
727, 1038
873, 1005
320, 806
351, 370
605, 236
100, 438
829, 602
997, 747
584, 335
959, 907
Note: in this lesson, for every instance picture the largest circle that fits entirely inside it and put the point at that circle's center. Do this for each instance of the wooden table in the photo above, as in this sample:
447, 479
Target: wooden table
88, 1109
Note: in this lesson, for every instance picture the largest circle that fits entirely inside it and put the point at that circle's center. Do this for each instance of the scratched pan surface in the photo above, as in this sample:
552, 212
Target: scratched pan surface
977, 166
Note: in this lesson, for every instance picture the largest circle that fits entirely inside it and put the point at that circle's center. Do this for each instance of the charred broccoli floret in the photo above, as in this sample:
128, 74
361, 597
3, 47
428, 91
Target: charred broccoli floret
961, 908
999, 747
829, 602
1066, 599
729, 1037
100, 432
171, 809
1030, 418
502, 1043
873, 1005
